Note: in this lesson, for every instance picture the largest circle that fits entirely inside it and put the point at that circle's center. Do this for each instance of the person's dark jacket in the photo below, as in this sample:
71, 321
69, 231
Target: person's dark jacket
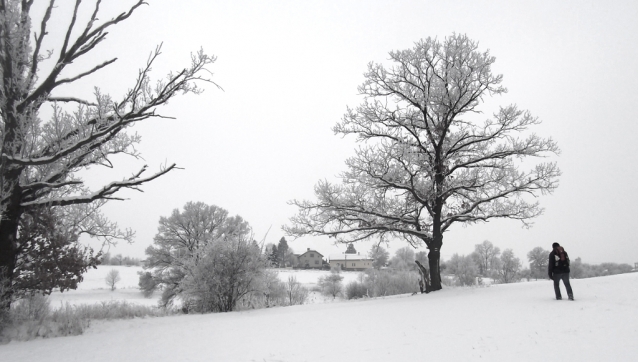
554, 266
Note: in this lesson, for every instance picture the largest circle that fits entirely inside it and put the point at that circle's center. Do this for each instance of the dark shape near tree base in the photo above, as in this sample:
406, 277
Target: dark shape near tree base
424, 282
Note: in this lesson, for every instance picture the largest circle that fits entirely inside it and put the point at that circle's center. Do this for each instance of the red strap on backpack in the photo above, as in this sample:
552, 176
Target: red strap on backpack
561, 253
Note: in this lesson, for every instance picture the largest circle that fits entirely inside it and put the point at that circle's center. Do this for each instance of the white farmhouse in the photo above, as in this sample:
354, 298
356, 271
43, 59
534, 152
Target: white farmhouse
350, 261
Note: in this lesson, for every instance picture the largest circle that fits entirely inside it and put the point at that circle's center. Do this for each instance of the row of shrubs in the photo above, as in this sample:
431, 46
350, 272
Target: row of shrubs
384, 282
34, 317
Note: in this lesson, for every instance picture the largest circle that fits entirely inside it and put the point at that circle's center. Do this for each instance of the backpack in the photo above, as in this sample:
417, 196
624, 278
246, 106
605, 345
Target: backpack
562, 260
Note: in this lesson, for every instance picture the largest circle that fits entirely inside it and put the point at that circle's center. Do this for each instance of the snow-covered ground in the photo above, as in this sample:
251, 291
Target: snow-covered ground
515, 322
93, 288
309, 277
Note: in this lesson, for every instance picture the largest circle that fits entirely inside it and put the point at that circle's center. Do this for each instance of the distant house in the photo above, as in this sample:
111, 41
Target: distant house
310, 259
350, 261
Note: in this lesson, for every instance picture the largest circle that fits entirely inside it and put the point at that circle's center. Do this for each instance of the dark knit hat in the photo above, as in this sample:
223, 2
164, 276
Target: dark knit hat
555, 245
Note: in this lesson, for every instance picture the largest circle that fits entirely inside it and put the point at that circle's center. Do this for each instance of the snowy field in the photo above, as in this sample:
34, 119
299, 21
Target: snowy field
515, 322
94, 289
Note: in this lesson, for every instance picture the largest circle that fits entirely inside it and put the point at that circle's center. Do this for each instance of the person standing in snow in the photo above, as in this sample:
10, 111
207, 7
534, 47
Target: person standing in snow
558, 269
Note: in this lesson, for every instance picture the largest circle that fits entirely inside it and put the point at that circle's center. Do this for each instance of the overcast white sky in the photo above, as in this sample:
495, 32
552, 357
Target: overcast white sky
290, 68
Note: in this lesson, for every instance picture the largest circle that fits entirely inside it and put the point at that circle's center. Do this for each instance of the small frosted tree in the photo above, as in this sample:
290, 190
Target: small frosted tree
463, 268
379, 256
272, 288
332, 284
295, 292
538, 259
403, 258
112, 277
509, 268
484, 256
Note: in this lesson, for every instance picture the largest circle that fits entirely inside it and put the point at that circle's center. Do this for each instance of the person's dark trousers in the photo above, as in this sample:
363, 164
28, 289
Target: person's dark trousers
565, 278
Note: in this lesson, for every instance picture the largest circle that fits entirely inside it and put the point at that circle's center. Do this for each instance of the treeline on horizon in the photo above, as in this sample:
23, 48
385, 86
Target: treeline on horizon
403, 258
487, 261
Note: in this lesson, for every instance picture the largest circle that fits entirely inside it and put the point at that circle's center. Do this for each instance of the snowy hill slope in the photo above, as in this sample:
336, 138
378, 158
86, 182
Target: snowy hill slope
516, 322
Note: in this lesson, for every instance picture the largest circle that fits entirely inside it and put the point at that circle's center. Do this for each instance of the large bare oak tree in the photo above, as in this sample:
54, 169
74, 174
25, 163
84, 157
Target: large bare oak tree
40, 159
427, 161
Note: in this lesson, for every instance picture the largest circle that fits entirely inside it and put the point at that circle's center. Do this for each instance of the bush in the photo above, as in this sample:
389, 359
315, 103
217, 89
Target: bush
269, 291
32, 317
391, 282
331, 285
464, 269
295, 292
355, 290
448, 280
147, 284
35, 307
116, 309
222, 273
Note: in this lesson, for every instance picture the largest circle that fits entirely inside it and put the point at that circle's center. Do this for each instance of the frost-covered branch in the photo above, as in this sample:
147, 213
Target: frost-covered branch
105, 192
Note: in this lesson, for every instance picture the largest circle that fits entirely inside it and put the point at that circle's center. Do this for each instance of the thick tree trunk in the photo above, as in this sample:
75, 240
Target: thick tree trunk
11, 212
434, 257
8, 251
10, 190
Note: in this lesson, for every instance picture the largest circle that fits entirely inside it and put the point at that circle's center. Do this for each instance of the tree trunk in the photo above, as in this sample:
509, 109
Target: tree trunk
10, 216
8, 251
434, 257
10, 190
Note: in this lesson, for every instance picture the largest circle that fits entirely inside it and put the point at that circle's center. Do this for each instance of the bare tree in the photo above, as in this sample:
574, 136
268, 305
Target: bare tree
484, 255
112, 277
41, 160
426, 161
403, 258
463, 268
332, 284
379, 256
272, 288
296, 293
509, 268
538, 259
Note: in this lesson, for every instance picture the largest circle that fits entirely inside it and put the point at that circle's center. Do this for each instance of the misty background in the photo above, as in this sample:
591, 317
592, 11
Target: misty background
289, 69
